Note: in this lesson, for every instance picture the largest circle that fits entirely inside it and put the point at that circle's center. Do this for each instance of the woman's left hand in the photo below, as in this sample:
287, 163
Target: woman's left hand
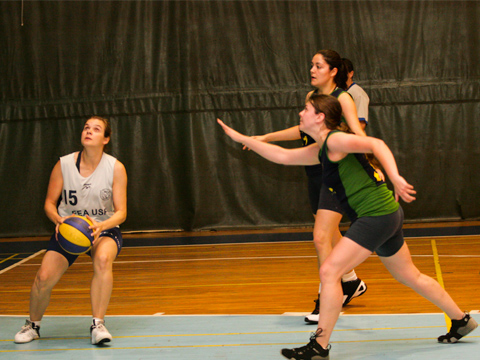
234, 135
403, 189
96, 228
380, 173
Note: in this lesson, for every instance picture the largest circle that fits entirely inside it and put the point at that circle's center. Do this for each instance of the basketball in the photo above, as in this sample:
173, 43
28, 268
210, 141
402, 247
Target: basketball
74, 236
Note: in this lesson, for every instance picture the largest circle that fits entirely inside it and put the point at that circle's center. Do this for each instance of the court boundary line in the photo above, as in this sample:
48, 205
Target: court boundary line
442, 237
21, 261
242, 258
241, 315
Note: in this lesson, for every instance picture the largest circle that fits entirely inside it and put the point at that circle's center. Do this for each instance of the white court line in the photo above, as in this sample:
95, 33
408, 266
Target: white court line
22, 261
236, 315
443, 237
243, 258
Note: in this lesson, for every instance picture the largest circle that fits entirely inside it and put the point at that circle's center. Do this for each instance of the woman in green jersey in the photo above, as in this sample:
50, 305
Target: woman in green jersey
375, 213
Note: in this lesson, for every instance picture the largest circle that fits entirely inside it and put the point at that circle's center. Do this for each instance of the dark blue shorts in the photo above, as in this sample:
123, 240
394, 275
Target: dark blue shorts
320, 197
380, 234
113, 233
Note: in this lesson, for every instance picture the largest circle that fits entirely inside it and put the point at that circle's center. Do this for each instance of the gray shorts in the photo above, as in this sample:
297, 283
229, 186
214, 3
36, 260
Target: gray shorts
380, 234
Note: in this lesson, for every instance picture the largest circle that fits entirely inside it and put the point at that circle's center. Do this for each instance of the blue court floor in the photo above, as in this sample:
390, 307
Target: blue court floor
233, 337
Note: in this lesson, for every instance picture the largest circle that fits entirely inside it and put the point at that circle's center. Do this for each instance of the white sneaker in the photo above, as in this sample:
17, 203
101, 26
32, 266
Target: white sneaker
314, 316
100, 334
28, 333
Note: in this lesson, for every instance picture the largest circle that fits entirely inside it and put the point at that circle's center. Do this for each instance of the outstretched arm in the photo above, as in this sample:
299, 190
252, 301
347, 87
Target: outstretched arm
340, 144
292, 133
301, 156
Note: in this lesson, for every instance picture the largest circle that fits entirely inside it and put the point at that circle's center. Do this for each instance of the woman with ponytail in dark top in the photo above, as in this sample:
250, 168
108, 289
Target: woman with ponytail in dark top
329, 76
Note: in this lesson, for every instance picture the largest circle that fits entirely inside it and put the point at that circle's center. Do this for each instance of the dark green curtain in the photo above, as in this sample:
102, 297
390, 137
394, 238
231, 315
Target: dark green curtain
163, 71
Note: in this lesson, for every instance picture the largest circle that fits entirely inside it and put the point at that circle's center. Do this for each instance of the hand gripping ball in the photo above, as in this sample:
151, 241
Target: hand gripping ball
74, 236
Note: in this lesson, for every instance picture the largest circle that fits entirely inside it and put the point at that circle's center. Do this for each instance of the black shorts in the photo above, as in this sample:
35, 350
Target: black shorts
320, 197
380, 234
113, 233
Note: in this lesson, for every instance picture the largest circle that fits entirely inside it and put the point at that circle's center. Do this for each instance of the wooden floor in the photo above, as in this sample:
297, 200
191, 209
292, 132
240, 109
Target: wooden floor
246, 278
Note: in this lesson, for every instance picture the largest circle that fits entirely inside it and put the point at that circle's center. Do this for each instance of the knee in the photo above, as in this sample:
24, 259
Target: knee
43, 280
328, 273
102, 263
408, 279
322, 240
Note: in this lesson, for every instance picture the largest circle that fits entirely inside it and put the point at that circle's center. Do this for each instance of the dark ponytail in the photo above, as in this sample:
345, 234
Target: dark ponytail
333, 59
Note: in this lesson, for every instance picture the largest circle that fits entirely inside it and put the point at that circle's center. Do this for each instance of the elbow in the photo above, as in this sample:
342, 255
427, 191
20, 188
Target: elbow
379, 146
123, 216
46, 207
283, 159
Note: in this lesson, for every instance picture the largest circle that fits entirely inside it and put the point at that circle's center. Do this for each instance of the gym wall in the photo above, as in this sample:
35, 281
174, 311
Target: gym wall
163, 71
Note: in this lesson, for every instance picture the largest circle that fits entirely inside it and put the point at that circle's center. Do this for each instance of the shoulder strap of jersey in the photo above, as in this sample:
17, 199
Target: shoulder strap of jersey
77, 164
339, 91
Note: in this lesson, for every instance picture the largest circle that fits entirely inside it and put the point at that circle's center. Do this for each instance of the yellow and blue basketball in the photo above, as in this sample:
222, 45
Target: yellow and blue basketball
74, 236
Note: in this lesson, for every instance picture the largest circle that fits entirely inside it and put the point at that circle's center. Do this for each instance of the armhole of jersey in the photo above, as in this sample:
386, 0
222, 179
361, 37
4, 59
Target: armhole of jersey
326, 147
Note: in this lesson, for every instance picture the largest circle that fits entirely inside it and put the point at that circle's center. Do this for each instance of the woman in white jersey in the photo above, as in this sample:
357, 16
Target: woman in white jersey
93, 184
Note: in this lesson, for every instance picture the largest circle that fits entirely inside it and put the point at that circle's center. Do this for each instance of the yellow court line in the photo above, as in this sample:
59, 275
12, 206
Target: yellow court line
216, 345
240, 333
21, 261
438, 271
8, 258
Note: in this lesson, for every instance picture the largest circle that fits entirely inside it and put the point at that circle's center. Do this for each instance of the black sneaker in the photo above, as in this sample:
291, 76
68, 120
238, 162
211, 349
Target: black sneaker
353, 289
313, 317
459, 329
311, 351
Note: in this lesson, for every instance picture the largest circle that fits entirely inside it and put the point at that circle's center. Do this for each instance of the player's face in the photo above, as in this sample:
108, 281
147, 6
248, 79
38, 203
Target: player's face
320, 73
93, 133
308, 118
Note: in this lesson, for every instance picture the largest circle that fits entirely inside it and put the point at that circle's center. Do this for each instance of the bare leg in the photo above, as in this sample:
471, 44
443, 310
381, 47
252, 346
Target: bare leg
53, 267
403, 270
103, 255
326, 233
344, 256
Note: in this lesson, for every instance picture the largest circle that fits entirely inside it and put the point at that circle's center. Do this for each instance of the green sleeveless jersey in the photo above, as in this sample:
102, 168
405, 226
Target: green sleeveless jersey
356, 185
316, 170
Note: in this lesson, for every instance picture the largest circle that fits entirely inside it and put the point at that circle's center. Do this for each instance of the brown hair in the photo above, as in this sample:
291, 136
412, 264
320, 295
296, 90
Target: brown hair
108, 129
333, 59
330, 106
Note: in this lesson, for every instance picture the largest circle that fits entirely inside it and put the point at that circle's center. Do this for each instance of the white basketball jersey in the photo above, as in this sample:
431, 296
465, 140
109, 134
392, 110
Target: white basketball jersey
361, 99
90, 195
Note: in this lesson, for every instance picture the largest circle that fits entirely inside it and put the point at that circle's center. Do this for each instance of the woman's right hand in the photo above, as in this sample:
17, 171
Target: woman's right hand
60, 221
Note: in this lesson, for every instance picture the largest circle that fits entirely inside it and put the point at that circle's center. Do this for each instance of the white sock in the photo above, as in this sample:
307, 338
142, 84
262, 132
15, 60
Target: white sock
97, 321
350, 276
36, 323
320, 288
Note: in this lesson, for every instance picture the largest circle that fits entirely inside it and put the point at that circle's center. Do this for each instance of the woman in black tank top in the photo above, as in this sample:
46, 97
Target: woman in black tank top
328, 75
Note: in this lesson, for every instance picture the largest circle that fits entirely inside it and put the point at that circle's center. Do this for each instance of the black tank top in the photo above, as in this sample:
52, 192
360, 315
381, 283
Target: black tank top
316, 170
